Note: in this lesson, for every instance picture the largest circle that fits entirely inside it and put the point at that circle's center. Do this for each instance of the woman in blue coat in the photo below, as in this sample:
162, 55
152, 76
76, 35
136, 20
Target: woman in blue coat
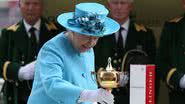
65, 64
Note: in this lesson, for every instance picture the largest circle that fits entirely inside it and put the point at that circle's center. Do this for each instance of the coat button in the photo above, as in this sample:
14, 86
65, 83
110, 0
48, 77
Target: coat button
22, 62
117, 89
16, 84
115, 54
119, 69
9, 98
115, 61
119, 60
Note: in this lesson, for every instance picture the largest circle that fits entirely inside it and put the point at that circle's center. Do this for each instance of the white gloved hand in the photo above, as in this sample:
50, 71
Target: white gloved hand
27, 71
123, 79
100, 95
182, 82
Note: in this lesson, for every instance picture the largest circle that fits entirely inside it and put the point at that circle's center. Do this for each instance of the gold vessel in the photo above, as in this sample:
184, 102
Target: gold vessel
108, 78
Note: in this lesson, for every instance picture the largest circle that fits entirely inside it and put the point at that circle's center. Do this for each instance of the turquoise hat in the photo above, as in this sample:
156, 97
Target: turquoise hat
89, 19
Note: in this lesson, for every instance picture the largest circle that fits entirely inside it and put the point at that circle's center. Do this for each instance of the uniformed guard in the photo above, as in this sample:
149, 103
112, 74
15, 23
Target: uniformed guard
171, 58
19, 45
133, 36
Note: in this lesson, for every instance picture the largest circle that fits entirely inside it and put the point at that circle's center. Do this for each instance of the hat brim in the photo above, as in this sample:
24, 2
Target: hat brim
111, 26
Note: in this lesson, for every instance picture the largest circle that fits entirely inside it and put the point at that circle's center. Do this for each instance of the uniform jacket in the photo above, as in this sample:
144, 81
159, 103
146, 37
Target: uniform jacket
138, 37
15, 52
172, 57
62, 73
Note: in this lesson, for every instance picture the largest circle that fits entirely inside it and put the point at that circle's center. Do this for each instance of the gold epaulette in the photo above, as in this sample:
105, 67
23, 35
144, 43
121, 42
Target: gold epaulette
175, 20
140, 27
5, 67
169, 75
51, 26
13, 27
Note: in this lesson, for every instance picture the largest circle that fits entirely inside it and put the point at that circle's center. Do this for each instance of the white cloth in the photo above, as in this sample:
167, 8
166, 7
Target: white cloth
123, 79
182, 82
26, 72
100, 95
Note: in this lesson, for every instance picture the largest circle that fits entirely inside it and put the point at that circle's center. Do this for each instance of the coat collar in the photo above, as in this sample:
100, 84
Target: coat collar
36, 25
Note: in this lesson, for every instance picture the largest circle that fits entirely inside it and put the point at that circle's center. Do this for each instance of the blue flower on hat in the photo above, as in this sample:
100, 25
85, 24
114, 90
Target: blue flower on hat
90, 23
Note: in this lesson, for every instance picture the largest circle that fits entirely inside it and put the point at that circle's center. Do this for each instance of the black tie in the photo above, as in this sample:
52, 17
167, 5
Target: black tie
120, 39
33, 42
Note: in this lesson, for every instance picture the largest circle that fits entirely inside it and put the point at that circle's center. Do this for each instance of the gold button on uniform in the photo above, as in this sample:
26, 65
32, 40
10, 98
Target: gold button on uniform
115, 54
22, 62
16, 84
115, 61
119, 60
117, 89
9, 98
119, 69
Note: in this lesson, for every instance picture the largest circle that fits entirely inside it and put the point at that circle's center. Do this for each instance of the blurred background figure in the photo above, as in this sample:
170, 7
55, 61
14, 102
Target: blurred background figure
172, 58
9, 13
130, 36
19, 45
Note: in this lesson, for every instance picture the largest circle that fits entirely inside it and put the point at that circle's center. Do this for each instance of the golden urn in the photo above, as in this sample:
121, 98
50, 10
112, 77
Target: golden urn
108, 78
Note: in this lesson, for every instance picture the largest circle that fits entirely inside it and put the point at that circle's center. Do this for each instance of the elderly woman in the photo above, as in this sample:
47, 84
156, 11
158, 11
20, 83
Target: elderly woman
65, 63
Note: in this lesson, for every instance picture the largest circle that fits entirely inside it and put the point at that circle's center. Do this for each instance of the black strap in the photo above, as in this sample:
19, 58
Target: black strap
120, 39
33, 43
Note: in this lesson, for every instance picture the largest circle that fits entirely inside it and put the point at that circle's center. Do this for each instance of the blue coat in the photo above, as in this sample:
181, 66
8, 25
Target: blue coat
62, 73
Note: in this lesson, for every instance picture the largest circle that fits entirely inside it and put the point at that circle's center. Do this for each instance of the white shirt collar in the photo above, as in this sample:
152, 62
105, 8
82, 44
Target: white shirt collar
125, 32
36, 25
126, 24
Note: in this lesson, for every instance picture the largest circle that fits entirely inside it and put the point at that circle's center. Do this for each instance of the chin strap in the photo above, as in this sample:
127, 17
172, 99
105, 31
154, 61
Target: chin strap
127, 53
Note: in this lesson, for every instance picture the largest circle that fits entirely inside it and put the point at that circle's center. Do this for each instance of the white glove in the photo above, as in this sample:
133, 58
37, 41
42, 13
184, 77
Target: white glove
100, 95
27, 71
123, 79
182, 82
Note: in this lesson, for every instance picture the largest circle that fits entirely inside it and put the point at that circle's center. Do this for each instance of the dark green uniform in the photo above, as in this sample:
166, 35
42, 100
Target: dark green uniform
15, 52
138, 37
172, 58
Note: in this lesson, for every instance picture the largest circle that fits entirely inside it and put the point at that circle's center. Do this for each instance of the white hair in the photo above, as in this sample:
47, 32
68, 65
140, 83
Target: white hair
125, 0
24, 0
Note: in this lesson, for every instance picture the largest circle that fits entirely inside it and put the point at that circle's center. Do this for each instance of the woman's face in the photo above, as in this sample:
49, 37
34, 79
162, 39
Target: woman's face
83, 42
